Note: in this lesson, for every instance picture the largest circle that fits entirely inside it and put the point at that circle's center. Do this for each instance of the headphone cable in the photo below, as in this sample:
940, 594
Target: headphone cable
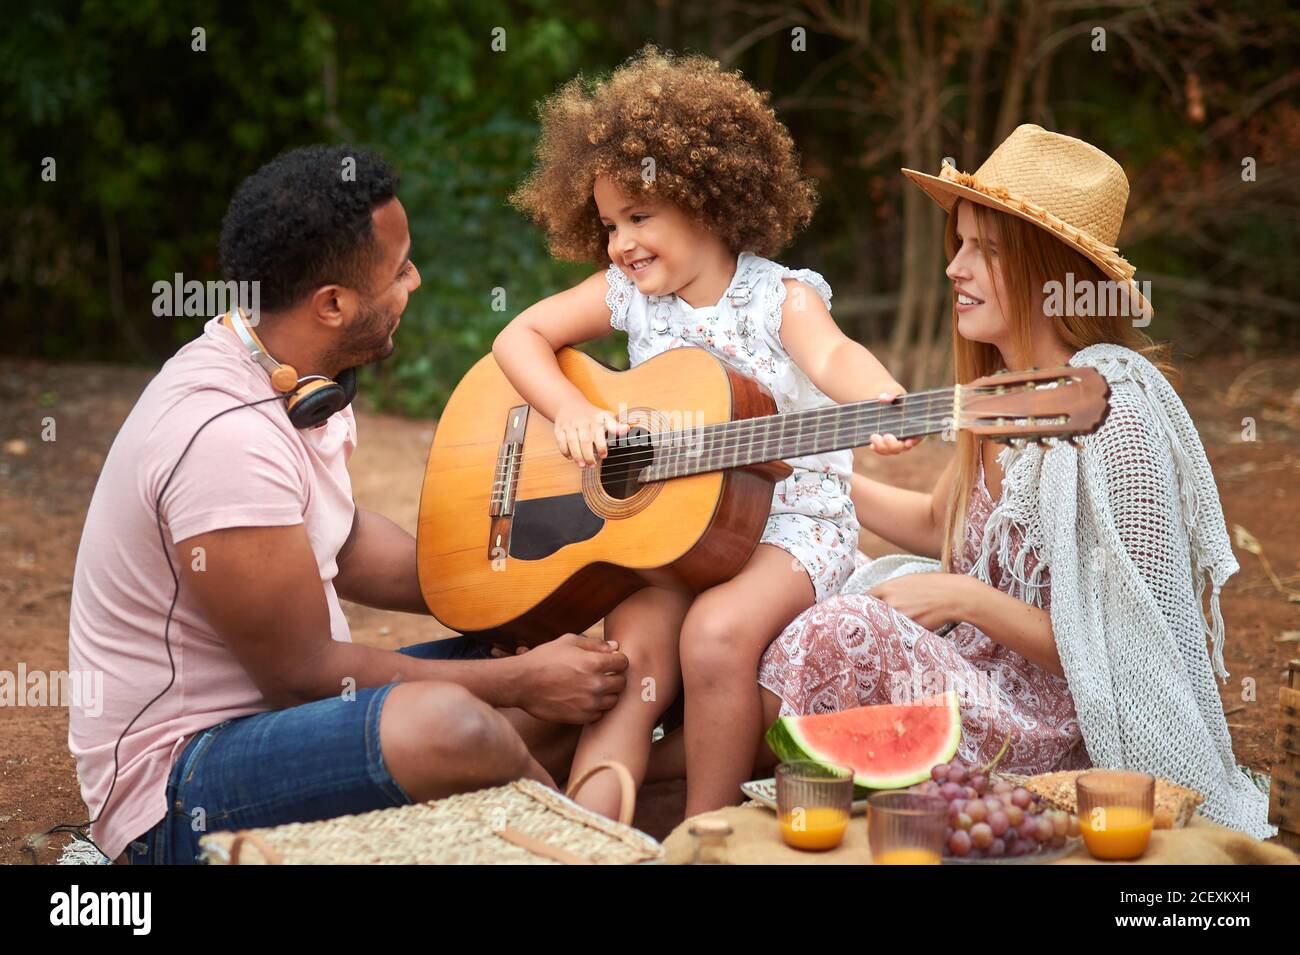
83, 830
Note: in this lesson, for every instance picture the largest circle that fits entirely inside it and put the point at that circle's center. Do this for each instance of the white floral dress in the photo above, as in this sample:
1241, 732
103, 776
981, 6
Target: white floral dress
812, 515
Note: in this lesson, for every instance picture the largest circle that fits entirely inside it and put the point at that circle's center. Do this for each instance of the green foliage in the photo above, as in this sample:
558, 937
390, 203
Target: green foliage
152, 136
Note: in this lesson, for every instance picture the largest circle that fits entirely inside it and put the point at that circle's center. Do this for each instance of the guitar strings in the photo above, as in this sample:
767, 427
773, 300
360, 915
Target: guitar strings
856, 437
727, 429
620, 470
856, 434
722, 434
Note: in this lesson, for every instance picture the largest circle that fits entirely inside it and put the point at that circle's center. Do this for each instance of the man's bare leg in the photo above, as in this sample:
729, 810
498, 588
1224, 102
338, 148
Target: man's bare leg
438, 739
552, 744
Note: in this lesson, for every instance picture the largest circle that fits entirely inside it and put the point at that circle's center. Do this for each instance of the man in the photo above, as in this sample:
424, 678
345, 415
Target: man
272, 714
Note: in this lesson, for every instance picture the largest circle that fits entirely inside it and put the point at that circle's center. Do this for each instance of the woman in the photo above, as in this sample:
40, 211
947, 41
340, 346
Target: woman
1073, 575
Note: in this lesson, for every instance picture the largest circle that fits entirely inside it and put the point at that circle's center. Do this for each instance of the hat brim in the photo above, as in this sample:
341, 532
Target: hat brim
946, 193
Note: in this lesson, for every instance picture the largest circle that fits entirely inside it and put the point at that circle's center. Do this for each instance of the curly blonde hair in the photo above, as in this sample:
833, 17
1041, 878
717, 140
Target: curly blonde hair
720, 155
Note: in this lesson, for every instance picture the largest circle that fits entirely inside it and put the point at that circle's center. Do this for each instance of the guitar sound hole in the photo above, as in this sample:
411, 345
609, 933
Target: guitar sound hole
628, 454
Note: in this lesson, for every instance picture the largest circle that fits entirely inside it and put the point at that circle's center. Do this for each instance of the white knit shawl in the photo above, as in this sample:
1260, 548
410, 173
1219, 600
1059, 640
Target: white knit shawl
1131, 528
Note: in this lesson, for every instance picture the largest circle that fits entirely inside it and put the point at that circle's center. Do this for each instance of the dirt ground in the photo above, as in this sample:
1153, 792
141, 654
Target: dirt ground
45, 488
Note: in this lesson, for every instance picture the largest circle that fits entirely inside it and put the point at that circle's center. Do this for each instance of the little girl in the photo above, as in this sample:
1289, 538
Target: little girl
681, 179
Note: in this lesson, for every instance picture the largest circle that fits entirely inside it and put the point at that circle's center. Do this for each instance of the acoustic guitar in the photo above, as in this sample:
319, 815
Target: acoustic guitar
517, 544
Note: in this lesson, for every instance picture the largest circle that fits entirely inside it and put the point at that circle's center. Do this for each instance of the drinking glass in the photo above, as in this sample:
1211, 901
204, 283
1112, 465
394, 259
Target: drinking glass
813, 802
906, 828
1116, 812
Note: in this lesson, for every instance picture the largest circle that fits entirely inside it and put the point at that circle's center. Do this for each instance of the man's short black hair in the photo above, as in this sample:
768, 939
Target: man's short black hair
303, 221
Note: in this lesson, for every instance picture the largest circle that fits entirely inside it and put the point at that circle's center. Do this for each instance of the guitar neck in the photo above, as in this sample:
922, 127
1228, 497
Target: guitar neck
735, 444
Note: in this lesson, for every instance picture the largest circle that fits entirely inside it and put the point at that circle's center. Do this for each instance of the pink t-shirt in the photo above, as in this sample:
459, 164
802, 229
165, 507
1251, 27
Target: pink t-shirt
250, 467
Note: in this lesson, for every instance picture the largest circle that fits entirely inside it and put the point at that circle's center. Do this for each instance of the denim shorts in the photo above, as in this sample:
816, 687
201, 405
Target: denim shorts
318, 760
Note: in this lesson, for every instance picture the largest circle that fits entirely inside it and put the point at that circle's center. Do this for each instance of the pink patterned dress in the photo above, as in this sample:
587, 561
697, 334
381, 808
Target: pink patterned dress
853, 650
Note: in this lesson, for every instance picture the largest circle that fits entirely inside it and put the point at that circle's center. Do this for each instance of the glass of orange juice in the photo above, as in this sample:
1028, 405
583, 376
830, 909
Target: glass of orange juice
813, 802
905, 828
1116, 812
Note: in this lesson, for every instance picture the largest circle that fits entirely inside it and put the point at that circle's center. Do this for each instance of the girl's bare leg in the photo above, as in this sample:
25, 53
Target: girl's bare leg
668, 756
769, 705
722, 639
647, 626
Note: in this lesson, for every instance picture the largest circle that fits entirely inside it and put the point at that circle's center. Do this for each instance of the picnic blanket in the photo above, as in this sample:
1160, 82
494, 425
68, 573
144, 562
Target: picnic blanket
756, 840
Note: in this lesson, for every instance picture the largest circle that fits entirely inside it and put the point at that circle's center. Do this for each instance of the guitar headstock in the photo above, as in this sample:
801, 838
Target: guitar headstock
1036, 405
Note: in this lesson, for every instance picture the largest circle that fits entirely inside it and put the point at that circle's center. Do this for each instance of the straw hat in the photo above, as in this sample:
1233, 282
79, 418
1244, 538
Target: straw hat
1058, 183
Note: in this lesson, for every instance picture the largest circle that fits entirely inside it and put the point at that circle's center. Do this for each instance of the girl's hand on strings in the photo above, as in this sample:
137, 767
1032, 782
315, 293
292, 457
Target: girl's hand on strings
580, 432
887, 444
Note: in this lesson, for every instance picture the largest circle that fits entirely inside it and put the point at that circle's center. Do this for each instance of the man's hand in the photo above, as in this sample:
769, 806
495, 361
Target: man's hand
572, 679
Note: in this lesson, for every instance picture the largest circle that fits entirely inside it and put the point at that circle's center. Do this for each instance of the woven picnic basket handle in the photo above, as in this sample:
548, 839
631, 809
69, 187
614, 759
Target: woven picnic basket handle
626, 785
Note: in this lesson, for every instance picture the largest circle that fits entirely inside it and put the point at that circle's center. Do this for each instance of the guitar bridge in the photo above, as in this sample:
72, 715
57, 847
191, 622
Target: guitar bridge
501, 508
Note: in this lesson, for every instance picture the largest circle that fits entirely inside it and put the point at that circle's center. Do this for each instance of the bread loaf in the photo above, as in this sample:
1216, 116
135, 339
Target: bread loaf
1175, 804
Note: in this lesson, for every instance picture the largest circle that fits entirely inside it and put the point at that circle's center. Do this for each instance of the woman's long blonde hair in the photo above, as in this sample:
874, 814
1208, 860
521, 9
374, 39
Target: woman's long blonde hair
1030, 257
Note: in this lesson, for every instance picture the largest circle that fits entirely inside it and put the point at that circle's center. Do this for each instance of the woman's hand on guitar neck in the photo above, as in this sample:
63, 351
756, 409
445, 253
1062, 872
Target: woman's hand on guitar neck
581, 429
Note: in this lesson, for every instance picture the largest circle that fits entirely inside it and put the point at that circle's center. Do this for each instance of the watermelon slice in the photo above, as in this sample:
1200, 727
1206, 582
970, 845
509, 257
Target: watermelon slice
889, 746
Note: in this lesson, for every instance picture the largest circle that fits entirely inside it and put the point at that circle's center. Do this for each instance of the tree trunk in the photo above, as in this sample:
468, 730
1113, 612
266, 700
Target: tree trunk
914, 201
921, 287
974, 148
932, 281
1030, 30
1040, 111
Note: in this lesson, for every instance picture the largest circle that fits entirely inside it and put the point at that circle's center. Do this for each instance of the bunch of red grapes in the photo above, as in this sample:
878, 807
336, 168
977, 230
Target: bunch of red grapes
995, 820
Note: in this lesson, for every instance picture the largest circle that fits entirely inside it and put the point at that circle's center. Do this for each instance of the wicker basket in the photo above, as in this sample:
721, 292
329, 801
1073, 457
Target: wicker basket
522, 823
1284, 797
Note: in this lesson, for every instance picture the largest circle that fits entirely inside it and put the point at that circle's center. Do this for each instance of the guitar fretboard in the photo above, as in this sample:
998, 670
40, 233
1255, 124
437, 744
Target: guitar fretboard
733, 444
